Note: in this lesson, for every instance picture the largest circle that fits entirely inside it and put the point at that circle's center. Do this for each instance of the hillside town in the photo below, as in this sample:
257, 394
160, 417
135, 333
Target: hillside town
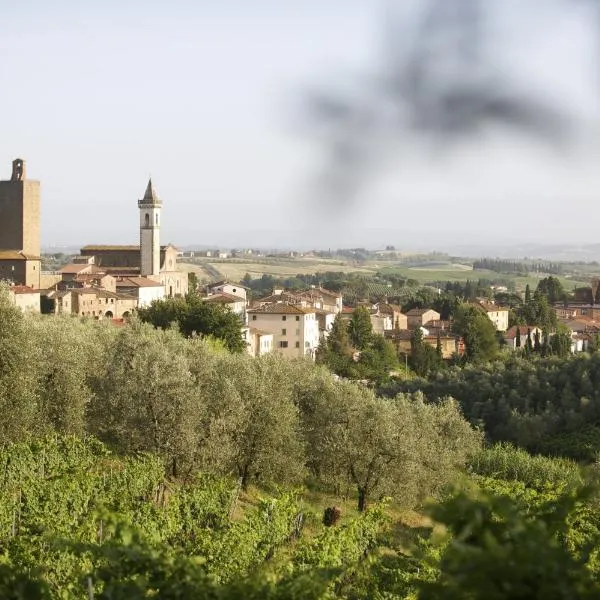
111, 282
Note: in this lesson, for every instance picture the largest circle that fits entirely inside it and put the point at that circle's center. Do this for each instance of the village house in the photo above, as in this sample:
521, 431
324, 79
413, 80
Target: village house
496, 314
450, 343
144, 290
258, 342
417, 317
516, 336
236, 304
295, 329
25, 298
399, 319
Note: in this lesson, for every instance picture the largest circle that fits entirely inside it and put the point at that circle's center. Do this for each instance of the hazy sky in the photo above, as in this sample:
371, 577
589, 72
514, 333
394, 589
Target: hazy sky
206, 96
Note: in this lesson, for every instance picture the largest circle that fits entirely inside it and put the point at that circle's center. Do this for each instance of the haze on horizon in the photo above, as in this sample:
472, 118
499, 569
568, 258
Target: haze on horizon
209, 98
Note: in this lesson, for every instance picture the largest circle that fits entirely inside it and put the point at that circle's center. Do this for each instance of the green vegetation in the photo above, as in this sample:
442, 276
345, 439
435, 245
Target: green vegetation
193, 316
149, 462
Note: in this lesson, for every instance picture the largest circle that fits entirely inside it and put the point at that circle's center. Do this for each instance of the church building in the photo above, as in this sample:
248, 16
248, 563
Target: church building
149, 260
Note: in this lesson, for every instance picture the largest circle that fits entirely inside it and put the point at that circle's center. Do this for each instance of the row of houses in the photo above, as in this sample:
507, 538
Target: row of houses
291, 323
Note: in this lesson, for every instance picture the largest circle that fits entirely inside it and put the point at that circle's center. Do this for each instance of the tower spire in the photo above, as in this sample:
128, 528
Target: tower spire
150, 195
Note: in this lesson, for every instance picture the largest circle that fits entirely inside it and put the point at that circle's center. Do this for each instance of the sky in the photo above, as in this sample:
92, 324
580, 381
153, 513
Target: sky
208, 98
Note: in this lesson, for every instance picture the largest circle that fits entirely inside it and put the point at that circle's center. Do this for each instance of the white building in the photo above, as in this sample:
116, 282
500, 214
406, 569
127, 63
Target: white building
295, 329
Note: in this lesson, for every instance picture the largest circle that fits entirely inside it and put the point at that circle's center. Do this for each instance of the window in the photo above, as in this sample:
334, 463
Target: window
234, 290
283, 318
147, 220
297, 318
284, 332
254, 317
297, 344
156, 220
283, 344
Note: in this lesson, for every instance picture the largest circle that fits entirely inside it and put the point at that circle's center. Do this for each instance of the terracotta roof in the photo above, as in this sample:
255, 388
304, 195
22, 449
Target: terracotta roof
225, 282
224, 298
75, 268
282, 308
283, 297
512, 332
417, 312
23, 289
388, 308
17, 255
137, 282
490, 307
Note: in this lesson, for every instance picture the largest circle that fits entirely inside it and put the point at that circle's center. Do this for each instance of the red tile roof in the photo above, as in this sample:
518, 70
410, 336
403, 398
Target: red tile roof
137, 282
281, 308
223, 298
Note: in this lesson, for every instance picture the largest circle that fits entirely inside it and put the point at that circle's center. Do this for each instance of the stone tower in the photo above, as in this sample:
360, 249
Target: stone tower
20, 212
150, 206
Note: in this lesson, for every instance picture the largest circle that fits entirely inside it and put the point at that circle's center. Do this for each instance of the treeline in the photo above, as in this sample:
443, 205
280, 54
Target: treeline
153, 508
517, 267
201, 408
546, 405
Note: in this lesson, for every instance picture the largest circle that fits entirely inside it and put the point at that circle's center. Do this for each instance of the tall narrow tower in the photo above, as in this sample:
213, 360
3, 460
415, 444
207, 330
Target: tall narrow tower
20, 212
150, 206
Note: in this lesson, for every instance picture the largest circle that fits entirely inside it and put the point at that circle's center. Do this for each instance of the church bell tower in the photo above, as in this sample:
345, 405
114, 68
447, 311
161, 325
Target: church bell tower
150, 206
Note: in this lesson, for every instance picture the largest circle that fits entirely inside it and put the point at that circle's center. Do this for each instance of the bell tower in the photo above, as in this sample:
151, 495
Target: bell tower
150, 206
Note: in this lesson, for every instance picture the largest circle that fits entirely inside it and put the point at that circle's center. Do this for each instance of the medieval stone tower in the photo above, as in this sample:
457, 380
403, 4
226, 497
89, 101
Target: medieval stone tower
150, 206
20, 212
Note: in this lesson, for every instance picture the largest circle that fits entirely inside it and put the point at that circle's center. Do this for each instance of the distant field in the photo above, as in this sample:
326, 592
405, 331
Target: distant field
235, 269
443, 268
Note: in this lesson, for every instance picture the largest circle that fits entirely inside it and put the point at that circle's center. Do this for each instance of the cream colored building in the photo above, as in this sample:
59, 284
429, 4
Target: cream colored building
25, 298
258, 342
496, 314
295, 329
417, 317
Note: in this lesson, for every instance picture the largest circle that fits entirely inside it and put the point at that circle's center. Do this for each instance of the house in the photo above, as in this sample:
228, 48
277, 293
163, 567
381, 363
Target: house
258, 342
227, 287
144, 290
417, 317
319, 297
236, 304
295, 329
379, 322
450, 343
498, 315
516, 336
25, 298
325, 320
98, 303
399, 319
